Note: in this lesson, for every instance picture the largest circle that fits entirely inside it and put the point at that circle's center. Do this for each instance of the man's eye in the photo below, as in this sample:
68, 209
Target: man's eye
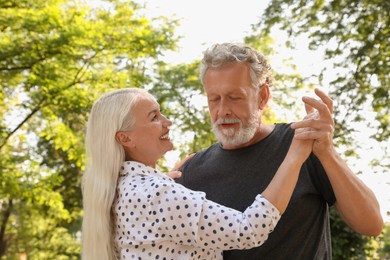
155, 118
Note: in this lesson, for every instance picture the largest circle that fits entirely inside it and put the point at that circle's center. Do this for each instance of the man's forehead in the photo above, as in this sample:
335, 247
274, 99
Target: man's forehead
230, 65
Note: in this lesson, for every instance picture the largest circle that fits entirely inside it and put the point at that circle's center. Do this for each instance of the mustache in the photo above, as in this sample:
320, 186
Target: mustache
221, 121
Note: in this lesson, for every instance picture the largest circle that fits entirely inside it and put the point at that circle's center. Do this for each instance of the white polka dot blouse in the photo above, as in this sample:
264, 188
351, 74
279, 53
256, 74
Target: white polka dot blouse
156, 218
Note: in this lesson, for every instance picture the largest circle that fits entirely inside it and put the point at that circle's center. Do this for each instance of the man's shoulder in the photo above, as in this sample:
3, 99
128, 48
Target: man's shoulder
200, 155
282, 127
281, 132
213, 148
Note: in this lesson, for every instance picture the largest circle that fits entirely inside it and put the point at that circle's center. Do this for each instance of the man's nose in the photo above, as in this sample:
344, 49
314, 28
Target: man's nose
224, 108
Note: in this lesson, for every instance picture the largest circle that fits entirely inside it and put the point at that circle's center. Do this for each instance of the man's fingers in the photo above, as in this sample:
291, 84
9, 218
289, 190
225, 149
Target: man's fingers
174, 174
179, 164
310, 135
313, 124
315, 104
324, 105
325, 98
306, 123
309, 109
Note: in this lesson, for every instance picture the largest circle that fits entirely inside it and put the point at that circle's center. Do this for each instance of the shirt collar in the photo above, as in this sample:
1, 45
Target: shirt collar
132, 167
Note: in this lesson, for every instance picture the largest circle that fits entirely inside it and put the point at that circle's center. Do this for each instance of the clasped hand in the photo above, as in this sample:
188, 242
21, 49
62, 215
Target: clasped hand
318, 125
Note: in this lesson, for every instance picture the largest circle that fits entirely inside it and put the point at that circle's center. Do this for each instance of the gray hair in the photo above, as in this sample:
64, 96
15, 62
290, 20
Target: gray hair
219, 55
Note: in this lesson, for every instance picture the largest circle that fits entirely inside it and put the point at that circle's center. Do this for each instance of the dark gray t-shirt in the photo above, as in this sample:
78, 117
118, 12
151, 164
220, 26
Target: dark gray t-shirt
234, 177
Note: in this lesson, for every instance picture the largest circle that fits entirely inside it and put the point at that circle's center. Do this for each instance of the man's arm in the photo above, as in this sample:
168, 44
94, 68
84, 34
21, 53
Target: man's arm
355, 202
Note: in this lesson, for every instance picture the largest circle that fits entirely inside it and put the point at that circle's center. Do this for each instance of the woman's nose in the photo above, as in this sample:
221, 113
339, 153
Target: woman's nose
167, 122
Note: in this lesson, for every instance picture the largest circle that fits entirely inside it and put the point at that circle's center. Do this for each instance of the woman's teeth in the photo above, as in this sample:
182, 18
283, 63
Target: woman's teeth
165, 137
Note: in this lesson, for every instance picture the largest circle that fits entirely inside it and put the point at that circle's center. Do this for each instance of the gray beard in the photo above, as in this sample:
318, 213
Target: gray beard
232, 137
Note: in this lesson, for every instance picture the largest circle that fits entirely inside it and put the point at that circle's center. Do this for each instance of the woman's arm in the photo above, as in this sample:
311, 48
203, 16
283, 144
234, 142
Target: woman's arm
281, 187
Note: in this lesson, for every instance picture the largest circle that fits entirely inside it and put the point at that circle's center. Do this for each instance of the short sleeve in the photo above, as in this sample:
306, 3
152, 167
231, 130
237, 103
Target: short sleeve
320, 179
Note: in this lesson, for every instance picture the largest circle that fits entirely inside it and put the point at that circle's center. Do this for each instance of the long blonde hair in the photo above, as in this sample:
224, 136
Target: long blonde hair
110, 114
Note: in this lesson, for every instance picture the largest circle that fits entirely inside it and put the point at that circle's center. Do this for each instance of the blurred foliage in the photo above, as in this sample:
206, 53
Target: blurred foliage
384, 243
288, 84
346, 243
355, 35
56, 58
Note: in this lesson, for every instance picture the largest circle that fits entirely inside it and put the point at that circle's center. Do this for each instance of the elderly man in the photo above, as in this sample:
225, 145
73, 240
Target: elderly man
237, 81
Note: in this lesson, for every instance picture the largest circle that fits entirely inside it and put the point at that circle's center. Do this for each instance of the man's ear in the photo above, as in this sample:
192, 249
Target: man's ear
124, 139
264, 96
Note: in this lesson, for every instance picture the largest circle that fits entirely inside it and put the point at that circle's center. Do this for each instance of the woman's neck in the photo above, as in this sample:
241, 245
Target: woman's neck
150, 164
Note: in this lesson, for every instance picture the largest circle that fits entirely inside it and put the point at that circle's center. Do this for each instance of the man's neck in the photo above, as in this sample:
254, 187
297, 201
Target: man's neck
262, 132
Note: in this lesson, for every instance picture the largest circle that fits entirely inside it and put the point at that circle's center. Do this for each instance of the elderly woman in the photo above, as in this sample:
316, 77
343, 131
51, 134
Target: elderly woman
133, 211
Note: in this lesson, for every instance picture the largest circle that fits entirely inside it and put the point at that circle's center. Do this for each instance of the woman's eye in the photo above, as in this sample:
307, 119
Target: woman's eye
155, 118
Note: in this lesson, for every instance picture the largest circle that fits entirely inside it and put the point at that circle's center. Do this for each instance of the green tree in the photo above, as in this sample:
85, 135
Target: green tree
385, 250
354, 36
376, 247
56, 57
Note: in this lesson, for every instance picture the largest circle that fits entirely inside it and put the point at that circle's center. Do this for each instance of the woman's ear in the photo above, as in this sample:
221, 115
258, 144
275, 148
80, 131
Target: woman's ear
264, 96
124, 138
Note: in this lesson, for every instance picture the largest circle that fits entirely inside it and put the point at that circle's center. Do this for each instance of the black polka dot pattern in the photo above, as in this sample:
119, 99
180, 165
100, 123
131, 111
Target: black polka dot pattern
156, 218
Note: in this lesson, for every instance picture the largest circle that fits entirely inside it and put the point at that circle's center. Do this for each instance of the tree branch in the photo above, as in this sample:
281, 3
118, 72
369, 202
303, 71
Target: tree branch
16, 68
26, 67
79, 74
35, 110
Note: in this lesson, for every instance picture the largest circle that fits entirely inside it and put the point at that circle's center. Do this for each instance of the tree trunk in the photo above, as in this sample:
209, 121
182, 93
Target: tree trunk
6, 213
